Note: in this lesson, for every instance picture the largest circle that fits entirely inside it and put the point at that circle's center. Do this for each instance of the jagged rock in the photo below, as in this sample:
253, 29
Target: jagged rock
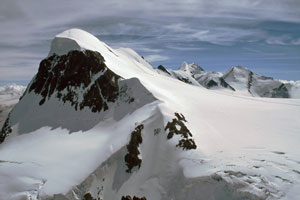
185, 80
280, 92
131, 158
88, 196
5, 131
225, 84
162, 68
64, 75
134, 198
186, 143
212, 83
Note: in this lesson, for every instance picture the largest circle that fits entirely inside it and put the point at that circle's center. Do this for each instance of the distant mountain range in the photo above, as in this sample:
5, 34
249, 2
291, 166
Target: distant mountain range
238, 79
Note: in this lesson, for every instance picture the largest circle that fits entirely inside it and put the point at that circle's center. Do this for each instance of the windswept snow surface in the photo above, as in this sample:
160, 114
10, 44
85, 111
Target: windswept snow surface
247, 147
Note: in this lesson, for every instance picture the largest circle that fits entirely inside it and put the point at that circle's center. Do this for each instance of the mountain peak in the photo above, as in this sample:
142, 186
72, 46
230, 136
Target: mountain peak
76, 39
193, 68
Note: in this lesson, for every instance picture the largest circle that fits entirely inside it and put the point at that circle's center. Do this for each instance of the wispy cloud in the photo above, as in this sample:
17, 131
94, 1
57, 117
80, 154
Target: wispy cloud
149, 50
155, 58
283, 40
186, 28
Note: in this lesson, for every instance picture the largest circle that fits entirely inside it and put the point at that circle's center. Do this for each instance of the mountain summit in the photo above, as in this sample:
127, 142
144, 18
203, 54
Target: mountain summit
101, 123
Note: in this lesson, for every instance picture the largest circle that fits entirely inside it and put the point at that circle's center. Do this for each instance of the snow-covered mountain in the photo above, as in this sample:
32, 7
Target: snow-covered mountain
238, 79
101, 123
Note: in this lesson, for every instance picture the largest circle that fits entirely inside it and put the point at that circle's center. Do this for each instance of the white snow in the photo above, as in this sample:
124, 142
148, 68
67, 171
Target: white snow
251, 143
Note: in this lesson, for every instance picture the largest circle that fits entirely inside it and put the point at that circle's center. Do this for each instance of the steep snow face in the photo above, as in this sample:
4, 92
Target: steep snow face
195, 143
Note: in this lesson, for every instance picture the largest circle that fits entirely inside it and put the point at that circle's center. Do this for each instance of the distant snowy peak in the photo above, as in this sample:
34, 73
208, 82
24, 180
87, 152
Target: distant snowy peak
195, 75
243, 79
191, 68
237, 78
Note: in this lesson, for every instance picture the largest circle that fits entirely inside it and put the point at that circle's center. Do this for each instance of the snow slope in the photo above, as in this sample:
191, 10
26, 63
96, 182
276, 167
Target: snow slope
247, 147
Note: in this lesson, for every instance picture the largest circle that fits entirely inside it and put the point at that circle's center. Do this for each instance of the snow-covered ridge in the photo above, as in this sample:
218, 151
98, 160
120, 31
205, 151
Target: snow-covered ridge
76, 39
180, 141
239, 79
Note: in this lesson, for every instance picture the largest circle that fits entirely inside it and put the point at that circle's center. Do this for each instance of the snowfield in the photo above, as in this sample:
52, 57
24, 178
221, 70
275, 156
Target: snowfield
247, 147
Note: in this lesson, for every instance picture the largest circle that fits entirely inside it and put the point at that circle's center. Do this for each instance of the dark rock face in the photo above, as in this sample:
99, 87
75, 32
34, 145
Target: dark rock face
162, 68
250, 80
88, 196
186, 143
212, 83
64, 75
185, 80
280, 92
225, 84
134, 198
5, 131
131, 158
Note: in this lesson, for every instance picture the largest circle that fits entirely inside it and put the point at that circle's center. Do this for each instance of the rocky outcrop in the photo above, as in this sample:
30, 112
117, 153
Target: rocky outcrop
63, 76
281, 92
186, 143
131, 158
162, 68
5, 131
134, 198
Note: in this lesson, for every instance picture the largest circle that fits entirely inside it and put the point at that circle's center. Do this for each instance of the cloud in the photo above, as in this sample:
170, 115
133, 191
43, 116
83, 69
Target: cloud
296, 42
221, 35
156, 58
283, 40
149, 50
183, 28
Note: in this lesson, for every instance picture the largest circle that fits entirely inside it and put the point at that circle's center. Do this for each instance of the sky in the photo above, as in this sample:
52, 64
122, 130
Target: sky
262, 35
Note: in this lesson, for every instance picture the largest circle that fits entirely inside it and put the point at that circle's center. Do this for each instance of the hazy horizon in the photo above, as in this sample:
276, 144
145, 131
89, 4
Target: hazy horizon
260, 35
